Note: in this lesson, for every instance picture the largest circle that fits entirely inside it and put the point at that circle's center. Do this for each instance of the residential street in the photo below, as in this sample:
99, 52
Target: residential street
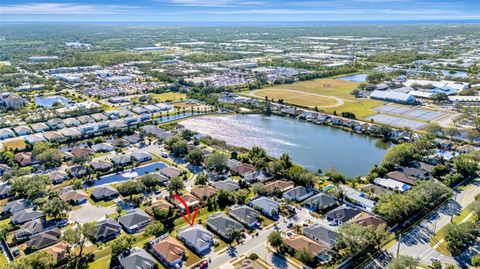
416, 241
256, 245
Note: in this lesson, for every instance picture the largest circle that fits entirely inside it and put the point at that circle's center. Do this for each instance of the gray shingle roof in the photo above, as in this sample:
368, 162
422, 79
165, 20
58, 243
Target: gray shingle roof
139, 259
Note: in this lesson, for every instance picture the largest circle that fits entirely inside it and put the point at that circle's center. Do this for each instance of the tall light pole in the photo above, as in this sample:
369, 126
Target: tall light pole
399, 243
453, 207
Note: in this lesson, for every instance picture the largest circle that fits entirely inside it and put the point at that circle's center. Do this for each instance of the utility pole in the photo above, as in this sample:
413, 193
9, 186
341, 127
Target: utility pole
453, 207
398, 245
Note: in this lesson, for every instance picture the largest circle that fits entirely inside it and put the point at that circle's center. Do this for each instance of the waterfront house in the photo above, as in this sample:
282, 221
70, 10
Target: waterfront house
278, 186
106, 230
121, 160
134, 220
102, 166
138, 259
298, 194
242, 169
196, 238
266, 206
401, 177
170, 172
223, 225
245, 215
375, 190
413, 172
168, 250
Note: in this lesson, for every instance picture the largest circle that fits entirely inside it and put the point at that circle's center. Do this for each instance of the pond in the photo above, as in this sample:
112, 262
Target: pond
310, 145
355, 78
48, 101
128, 174
453, 74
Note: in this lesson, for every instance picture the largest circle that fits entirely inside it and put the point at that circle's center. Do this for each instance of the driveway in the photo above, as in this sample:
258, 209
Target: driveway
89, 213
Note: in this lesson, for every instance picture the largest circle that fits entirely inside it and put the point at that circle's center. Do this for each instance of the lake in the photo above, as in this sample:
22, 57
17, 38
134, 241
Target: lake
48, 101
310, 145
455, 74
355, 78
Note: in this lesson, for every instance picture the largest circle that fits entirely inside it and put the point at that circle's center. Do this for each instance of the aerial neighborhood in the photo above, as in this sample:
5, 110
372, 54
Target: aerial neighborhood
158, 147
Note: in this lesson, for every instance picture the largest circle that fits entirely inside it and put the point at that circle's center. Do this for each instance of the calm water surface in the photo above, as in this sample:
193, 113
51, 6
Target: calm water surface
313, 146
355, 78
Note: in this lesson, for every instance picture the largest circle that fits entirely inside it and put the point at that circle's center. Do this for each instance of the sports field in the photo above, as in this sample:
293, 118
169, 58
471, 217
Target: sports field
296, 97
327, 95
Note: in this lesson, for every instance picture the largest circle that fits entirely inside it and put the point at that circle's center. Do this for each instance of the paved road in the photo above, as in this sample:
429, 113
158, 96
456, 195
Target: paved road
256, 245
415, 242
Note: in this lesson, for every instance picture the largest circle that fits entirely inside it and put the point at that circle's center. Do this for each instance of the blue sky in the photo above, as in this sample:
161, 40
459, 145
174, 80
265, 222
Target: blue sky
247, 11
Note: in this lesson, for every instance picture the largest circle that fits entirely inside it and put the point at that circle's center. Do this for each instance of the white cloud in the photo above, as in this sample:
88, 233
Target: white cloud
61, 9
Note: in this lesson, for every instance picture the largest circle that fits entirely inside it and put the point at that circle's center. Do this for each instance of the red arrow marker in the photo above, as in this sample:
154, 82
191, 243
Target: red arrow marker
187, 219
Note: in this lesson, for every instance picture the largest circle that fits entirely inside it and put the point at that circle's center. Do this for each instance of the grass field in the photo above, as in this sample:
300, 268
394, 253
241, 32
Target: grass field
169, 96
316, 92
305, 99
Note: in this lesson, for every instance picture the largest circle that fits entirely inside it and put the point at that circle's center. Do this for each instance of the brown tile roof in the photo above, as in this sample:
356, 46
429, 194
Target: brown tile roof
400, 176
280, 185
161, 204
73, 195
364, 219
59, 251
24, 158
170, 249
243, 168
298, 242
203, 192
